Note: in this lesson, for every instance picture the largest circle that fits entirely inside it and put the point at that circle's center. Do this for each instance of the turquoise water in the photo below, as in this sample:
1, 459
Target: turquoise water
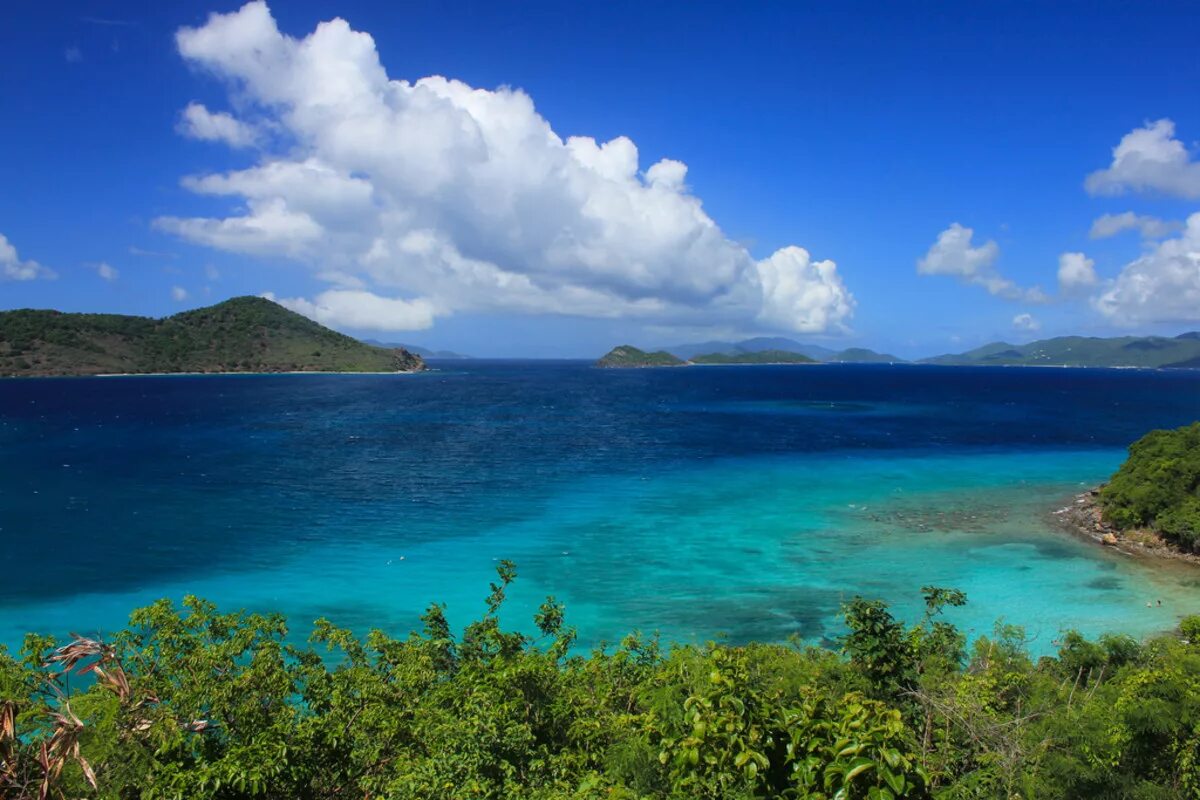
739, 504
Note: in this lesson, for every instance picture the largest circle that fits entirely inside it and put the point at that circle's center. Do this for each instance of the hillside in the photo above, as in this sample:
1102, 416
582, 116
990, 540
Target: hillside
1081, 351
701, 351
757, 357
861, 355
626, 356
244, 334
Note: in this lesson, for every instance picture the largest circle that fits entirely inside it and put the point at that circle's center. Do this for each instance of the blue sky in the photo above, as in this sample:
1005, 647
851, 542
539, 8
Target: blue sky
860, 132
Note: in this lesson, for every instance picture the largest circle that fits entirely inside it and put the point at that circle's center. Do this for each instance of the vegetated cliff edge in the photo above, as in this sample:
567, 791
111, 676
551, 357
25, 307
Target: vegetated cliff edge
1151, 505
243, 334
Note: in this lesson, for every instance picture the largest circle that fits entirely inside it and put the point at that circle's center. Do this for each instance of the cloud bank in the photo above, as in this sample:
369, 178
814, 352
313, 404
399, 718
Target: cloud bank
427, 198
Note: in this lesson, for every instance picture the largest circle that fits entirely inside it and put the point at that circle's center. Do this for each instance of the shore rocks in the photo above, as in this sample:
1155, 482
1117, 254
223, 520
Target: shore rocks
1084, 517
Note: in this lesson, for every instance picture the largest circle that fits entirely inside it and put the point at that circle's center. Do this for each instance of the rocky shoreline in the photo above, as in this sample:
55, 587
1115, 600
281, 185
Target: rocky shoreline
1084, 518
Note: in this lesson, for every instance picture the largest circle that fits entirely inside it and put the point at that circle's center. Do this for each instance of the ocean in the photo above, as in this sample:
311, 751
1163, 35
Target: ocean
730, 503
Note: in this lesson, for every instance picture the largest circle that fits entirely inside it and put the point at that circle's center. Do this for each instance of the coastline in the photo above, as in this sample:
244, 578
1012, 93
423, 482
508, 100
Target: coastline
215, 374
1083, 518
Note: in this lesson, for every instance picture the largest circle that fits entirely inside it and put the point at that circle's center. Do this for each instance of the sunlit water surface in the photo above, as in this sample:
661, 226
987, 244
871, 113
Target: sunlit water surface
740, 502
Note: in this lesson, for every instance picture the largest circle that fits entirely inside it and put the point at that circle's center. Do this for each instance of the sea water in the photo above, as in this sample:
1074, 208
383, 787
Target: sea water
735, 503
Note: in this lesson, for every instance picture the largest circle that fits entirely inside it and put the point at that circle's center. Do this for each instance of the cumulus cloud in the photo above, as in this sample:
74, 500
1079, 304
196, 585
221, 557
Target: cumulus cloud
452, 198
179, 294
198, 122
358, 309
952, 254
1149, 159
1075, 272
12, 268
1026, 323
1163, 285
1149, 227
107, 271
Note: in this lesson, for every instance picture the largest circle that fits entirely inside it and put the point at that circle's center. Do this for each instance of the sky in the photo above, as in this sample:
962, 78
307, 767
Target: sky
552, 179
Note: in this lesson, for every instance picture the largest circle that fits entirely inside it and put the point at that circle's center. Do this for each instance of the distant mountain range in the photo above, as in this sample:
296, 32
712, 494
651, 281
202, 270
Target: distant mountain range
423, 352
243, 334
1181, 351
760, 344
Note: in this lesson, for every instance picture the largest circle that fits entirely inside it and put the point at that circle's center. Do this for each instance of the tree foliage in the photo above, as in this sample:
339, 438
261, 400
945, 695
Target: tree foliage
190, 702
1158, 486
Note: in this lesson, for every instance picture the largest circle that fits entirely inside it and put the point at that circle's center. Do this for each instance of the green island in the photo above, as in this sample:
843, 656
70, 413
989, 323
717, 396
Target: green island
757, 357
192, 703
243, 334
1179, 352
628, 356
1152, 503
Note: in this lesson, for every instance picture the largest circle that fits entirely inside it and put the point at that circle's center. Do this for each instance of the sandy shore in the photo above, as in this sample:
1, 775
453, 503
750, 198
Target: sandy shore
1083, 518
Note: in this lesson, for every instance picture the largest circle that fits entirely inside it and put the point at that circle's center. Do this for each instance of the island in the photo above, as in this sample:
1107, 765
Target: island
759, 357
1178, 352
1151, 505
627, 357
243, 334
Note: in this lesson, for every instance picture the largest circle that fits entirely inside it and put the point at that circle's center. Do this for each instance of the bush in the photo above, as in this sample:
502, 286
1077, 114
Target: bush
193, 703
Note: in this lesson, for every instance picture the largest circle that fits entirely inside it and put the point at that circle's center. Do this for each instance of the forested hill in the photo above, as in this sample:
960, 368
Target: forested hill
243, 334
1182, 351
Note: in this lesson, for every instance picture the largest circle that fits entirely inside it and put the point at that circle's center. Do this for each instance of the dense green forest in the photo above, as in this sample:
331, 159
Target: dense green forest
243, 334
1158, 487
192, 703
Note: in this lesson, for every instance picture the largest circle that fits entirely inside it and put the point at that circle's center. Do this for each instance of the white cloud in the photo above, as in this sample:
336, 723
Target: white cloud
1075, 272
952, 254
1026, 322
363, 310
802, 294
12, 268
1149, 227
1163, 285
179, 294
466, 199
198, 122
107, 271
1149, 159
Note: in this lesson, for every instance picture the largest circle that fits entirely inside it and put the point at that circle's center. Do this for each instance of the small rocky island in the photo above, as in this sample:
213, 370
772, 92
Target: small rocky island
629, 357
243, 334
1151, 505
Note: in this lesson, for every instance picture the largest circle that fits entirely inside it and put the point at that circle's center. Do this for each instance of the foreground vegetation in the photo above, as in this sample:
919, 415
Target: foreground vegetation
1158, 487
244, 334
192, 703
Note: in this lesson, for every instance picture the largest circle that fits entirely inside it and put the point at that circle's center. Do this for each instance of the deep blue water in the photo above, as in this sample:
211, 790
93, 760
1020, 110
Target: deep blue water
739, 501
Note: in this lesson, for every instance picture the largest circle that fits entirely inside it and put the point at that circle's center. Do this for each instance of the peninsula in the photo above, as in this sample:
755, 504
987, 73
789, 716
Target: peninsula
243, 334
1151, 505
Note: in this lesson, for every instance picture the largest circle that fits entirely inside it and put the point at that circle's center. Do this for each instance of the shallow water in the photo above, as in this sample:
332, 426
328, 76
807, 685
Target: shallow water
744, 503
